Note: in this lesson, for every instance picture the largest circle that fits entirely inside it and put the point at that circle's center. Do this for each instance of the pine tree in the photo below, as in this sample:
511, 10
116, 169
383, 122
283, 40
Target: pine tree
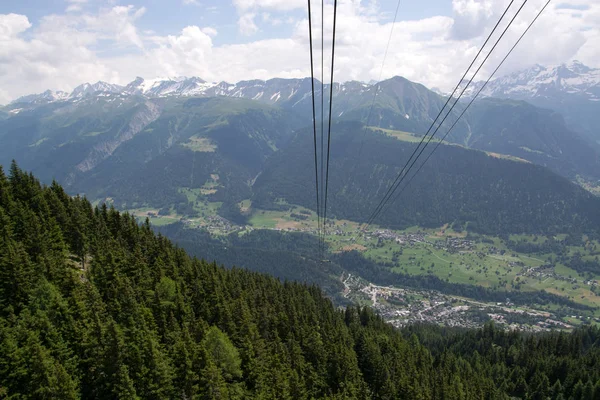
17, 275
5, 195
222, 353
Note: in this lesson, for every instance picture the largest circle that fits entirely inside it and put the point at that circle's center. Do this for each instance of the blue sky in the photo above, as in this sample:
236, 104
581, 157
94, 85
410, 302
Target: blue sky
168, 17
58, 44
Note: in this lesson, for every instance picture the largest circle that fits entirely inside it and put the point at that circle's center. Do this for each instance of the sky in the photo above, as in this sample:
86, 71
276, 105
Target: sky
59, 44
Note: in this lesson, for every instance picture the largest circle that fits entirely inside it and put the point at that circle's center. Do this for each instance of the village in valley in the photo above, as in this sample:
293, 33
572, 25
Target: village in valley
401, 307
455, 257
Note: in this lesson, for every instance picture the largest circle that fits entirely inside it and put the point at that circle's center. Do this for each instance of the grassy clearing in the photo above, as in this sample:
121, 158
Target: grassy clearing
245, 205
91, 134
200, 144
506, 157
262, 220
589, 185
151, 213
202, 206
400, 135
164, 220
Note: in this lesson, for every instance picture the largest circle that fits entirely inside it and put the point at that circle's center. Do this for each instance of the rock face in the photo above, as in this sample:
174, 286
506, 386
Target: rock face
144, 116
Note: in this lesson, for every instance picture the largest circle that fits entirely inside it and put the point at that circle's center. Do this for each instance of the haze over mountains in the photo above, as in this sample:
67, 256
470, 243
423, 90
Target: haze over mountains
97, 119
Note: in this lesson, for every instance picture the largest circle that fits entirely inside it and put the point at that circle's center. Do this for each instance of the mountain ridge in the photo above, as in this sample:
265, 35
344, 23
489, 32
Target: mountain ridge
537, 80
571, 89
541, 81
502, 126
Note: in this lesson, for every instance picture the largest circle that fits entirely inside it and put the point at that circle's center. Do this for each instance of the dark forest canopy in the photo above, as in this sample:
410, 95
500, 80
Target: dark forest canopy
93, 305
468, 188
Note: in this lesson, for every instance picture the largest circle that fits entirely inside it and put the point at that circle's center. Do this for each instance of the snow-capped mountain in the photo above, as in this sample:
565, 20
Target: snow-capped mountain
572, 90
99, 87
496, 125
536, 83
271, 91
46, 97
546, 82
171, 86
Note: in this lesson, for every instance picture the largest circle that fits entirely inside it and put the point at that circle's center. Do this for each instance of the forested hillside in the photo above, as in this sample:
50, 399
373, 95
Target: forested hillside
480, 192
535, 134
94, 305
142, 151
142, 148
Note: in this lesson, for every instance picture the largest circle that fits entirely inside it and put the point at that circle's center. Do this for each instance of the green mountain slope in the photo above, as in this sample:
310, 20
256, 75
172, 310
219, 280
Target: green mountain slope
95, 306
143, 151
503, 126
217, 141
58, 140
400, 105
457, 185
535, 134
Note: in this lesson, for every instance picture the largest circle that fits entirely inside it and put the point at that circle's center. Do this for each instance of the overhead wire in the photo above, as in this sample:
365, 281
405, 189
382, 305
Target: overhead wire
330, 115
441, 111
473, 99
321, 236
402, 175
378, 84
312, 80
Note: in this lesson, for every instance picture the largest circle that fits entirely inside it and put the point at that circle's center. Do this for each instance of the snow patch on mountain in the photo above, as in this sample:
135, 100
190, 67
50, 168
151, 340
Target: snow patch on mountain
538, 81
46, 97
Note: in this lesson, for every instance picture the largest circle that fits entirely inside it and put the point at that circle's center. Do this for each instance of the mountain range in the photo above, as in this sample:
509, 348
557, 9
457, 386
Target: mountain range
148, 143
536, 81
572, 89
551, 133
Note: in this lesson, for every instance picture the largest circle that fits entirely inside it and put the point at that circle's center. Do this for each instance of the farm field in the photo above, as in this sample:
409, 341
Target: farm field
454, 257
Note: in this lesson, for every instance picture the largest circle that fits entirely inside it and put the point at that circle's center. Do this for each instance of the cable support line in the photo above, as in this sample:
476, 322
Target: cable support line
321, 236
377, 86
400, 178
439, 114
312, 80
330, 114
473, 99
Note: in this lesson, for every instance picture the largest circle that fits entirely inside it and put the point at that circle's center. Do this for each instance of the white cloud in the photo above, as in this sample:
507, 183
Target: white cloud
57, 52
247, 25
62, 50
282, 5
471, 17
556, 37
11, 25
248, 9
212, 32
119, 23
185, 54
191, 2
75, 5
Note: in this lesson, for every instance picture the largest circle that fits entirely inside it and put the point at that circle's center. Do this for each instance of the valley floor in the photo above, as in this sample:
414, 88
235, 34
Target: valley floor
453, 257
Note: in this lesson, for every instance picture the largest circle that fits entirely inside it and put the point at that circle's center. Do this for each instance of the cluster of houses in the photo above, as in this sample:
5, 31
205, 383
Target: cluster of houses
213, 223
546, 271
455, 245
402, 307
